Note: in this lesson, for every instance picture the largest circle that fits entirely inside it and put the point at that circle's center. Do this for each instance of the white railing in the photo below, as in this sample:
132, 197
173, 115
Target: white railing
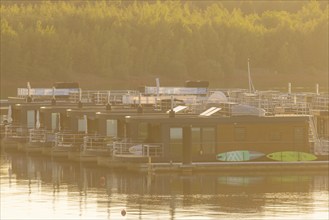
125, 149
97, 144
100, 96
37, 135
43, 92
16, 131
321, 102
68, 140
41, 136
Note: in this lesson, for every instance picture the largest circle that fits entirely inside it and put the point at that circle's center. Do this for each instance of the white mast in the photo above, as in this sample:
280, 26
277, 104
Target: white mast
53, 92
28, 89
157, 81
108, 97
251, 86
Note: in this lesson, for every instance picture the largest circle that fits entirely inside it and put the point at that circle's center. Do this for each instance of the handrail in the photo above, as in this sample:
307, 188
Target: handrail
128, 149
68, 139
15, 130
97, 143
41, 135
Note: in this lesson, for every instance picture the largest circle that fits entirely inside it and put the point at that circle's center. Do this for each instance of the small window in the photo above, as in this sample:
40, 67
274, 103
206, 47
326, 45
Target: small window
239, 134
176, 133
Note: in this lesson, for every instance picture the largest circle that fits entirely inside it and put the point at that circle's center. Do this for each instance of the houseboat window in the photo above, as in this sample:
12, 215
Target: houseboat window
196, 141
298, 134
176, 141
208, 140
111, 128
275, 136
30, 118
239, 134
81, 125
142, 131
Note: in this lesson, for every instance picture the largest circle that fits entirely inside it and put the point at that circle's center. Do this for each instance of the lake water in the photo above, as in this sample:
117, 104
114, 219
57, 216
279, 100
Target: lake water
35, 187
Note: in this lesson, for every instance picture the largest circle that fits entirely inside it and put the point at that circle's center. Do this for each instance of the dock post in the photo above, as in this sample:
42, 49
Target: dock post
149, 165
187, 145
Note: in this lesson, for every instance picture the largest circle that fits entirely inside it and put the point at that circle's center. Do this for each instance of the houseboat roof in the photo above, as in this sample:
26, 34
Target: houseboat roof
190, 118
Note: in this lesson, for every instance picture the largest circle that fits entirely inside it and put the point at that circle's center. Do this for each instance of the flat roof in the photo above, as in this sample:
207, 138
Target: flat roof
189, 118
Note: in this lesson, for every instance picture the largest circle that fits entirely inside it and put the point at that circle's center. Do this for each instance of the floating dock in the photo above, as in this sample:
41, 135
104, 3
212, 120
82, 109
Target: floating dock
267, 166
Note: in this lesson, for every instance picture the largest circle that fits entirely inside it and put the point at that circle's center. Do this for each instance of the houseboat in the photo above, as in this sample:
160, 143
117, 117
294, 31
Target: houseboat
168, 127
206, 137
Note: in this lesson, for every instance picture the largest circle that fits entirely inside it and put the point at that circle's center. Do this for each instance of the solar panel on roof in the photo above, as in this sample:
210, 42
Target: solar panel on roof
178, 108
213, 111
210, 111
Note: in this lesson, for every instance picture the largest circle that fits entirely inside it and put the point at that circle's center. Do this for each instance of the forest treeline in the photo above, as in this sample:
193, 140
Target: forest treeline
207, 40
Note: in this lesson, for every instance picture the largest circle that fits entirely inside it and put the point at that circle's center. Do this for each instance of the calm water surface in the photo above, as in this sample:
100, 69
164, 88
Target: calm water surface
35, 187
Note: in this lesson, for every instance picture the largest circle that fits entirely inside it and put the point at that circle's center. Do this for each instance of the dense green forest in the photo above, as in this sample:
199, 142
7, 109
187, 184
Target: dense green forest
122, 44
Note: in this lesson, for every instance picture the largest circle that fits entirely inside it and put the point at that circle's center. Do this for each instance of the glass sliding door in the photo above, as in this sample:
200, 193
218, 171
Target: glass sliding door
196, 141
54, 120
30, 118
111, 128
208, 140
82, 125
203, 141
176, 142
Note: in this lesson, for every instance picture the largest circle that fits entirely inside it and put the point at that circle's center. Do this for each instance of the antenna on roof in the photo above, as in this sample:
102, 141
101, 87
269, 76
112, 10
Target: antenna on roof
53, 100
29, 97
28, 89
80, 94
108, 105
108, 97
157, 81
251, 86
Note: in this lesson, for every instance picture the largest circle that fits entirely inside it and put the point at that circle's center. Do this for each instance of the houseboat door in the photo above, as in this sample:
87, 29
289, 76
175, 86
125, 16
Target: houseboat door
30, 118
111, 128
176, 143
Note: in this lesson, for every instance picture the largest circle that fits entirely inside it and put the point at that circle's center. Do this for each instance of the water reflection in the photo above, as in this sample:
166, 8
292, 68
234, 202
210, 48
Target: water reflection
101, 193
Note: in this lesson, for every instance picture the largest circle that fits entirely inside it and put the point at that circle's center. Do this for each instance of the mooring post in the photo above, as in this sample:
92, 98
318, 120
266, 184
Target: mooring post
149, 165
